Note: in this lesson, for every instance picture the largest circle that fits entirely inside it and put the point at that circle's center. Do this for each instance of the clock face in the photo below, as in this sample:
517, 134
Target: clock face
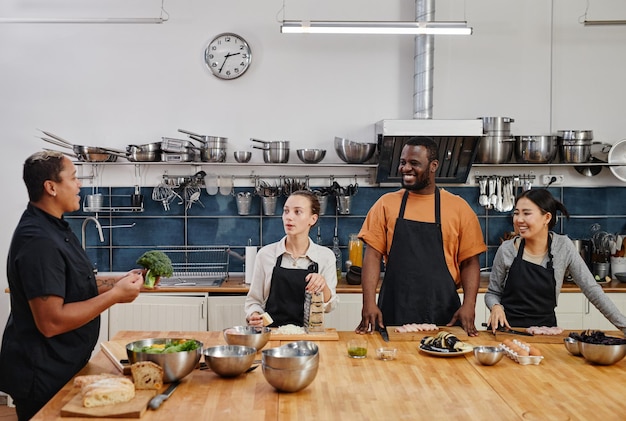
228, 56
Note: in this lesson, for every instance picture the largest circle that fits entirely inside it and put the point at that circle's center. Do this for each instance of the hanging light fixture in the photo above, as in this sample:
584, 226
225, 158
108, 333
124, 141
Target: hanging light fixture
603, 22
371, 27
84, 20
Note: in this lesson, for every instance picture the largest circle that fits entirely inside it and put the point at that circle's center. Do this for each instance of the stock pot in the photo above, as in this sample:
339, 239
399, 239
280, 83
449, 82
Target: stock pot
535, 149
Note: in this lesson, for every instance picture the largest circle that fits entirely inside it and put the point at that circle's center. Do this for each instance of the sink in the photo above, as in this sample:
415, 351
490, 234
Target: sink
192, 281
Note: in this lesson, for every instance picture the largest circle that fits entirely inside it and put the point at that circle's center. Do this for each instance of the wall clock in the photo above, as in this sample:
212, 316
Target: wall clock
228, 56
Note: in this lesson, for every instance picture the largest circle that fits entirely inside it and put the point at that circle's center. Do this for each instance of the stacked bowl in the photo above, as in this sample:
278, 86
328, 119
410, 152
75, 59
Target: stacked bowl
253, 336
291, 367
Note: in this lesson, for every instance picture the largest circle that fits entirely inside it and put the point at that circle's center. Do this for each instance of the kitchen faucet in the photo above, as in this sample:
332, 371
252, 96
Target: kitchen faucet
98, 226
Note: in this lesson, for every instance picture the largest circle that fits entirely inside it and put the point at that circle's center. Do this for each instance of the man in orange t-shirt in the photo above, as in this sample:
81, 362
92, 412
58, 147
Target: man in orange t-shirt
430, 240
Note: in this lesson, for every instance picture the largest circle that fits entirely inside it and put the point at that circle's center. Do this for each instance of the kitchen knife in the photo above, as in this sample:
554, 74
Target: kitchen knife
383, 333
514, 332
158, 399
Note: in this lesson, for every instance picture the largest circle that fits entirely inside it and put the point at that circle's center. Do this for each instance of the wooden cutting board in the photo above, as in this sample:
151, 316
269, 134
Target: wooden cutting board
417, 336
134, 408
329, 334
116, 352
538, 339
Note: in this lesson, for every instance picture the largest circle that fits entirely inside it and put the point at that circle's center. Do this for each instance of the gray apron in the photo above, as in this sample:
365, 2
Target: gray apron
418, 287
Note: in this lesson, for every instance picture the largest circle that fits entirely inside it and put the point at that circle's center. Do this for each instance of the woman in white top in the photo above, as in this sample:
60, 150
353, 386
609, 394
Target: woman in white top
286, 270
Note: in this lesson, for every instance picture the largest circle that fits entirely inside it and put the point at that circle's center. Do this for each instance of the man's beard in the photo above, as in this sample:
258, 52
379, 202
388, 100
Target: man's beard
418, 185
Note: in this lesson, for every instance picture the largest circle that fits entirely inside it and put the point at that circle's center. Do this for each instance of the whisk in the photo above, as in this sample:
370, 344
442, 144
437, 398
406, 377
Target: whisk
165, 194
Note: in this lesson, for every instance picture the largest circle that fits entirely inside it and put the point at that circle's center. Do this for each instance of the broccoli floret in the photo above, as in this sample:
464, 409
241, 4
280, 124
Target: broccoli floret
158, 264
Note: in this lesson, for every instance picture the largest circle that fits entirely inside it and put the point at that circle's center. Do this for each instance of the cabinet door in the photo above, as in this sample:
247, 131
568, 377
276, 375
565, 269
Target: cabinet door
347, 315
593, 319
226, 311
160, 312
569, 311
481, 312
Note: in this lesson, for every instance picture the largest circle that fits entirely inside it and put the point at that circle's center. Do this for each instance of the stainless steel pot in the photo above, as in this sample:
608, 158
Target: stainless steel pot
274, 152
495, 149
84, 153
575, 134
535, 149
575, 151
150, 152
213, 147
497, 125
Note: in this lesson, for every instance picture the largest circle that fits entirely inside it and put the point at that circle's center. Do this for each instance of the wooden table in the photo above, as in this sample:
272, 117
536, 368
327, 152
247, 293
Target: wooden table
414, 386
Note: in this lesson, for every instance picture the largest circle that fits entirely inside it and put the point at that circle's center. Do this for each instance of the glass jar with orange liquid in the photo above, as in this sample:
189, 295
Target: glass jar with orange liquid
355, 250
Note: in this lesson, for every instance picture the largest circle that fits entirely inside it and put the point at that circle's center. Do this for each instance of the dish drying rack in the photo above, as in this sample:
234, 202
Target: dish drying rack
201, 265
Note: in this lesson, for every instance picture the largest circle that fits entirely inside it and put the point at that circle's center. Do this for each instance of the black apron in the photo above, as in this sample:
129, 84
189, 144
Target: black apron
285, 302
417, 287
529, 295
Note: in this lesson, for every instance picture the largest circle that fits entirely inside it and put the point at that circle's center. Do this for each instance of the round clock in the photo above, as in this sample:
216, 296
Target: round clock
228, 56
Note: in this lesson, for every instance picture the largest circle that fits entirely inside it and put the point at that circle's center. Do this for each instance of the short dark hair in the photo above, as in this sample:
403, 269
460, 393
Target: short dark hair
427, 142
546, 202
40, 167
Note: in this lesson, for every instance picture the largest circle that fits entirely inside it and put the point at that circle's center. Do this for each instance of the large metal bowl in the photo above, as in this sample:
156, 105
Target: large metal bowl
253, 336
229, 360
311, 156
294, 355
176, 365
287, 380
602, 354
354, 152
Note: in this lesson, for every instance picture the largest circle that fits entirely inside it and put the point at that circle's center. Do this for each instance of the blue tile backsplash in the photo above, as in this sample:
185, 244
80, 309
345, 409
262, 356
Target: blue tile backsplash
215, 222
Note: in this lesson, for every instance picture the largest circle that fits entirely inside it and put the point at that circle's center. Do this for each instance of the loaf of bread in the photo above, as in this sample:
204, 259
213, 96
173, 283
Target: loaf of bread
147, 375
80, 381
108, 391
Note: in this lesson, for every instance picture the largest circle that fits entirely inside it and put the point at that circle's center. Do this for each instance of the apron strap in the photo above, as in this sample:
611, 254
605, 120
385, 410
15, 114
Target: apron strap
520, 251
279, 261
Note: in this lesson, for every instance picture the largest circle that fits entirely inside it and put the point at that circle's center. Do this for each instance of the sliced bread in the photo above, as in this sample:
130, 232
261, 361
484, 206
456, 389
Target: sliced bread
147, 375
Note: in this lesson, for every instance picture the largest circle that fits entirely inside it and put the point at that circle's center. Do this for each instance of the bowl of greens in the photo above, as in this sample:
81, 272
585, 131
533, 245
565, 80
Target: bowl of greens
177, 356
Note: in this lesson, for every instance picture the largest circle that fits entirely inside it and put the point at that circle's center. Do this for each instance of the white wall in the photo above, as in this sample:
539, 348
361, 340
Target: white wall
113, 85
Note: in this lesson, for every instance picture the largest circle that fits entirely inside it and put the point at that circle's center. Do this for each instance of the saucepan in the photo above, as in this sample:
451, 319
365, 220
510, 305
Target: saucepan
274, 152
150, 152
213, 147
83, 153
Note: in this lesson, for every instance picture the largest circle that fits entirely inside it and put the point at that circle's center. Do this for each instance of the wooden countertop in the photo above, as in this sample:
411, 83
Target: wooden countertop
236, 285
414, 386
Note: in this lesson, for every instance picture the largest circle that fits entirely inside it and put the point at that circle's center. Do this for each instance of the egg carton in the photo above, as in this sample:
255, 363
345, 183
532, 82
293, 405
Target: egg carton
521, 359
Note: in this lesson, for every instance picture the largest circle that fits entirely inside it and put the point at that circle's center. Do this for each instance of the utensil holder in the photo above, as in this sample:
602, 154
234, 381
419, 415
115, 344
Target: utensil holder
94, 201
343, 204
323, 203
601, 270
243, 205
269, 205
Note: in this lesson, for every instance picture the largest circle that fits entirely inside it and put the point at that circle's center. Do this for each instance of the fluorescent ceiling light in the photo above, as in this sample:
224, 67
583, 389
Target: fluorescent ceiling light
364, 27
604, 22
79, 20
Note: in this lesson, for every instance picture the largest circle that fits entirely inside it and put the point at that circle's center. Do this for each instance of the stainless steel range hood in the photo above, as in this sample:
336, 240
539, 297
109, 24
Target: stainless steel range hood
457, 139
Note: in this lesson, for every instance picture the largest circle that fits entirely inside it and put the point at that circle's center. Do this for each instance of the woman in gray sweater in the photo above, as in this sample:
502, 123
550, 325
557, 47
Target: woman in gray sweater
528, 270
